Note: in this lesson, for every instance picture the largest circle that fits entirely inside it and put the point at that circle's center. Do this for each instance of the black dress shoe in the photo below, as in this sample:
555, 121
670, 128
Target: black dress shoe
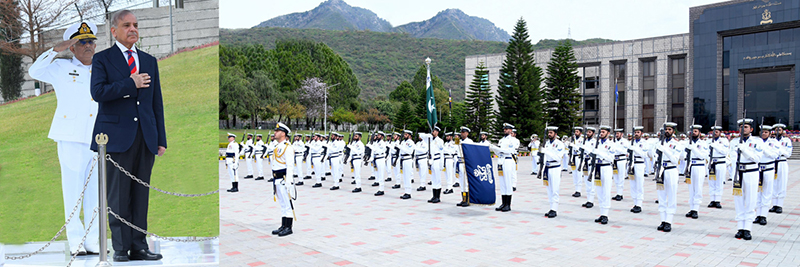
552, 214
405, 196
757, 220
340, 180
260, 178
317, 185
694, 214
763, 221
248, 177
602, 220
447, 191
299, 183
667, 227
144, 254
396, 186
327, 173
81, 252
430, 183
388, 179
375, 184
334, 188
515, 189
421, 188
270, 179
746, 235
371, 178
656, 201
587, 205
617, 198
712, 205
353, 182
719, 206
636, 209
412, 181
778, 210
576, 194
689, 214
307, 178
772, 209
322, 178
121, 256
379, 193
358, 189
456, 184
739, 234
661, 227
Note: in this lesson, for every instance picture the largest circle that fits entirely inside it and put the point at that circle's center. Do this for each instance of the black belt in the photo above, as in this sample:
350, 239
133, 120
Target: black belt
781, 160
230, 155
355, 158
279, 174
509, 158
603, 164
378, 157
766, 163
638, 162
437, 158
742, 167
669, 167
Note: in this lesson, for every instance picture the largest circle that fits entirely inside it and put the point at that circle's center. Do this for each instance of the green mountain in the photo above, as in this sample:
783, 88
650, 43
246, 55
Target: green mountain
454, 24
331, 15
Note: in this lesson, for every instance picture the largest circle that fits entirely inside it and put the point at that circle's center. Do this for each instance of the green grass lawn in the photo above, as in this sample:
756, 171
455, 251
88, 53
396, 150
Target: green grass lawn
31, 206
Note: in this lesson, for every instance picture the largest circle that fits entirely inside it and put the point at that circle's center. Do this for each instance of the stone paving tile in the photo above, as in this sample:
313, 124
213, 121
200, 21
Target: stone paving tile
340, 228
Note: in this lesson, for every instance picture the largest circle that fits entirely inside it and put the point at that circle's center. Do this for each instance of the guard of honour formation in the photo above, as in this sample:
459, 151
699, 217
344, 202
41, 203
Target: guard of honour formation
755, 162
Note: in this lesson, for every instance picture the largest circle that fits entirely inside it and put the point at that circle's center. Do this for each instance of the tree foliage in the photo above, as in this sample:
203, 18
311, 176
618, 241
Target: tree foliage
478, 104
11, 73
519, 97
403, 117
563, 98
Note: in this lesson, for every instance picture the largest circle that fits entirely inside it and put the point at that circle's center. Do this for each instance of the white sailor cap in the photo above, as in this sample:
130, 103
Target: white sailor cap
683, 135
508, 126
766, 127
619, 130
408, 131
334, 134
448, 133
745, 121
591, 129
231, 135
716, 128
670, 124
436, 128
465, 129
535, 135
487, 134
638, 128
298, 134
307, 135
282, 127
514, 130
696, 126
81, 31
357, 133
395, 133
250, 134
646, 135
259, 135
605, 127
381, 133
551, 128
318, 134
779, 125
578, 128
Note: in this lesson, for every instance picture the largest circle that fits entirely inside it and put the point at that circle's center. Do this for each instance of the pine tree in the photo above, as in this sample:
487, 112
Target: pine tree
479, 101
563, 98
519, 96
403, 118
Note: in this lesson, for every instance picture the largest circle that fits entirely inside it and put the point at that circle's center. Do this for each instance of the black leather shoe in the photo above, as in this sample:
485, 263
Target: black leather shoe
719, 206
248, 176
602, 220
617, 198
286, 231
340, 180
276, 231
405, 196
661, 227
317, 185
551, 214
778, 210
689, 214
772, 209
272, 179
371, 178
515, 189
430, 183
456, 184
763, 221
396, 186
667, 227
144, 254
358, 189
375, 184
636, 209
322, 178
307, 178
712, 205
448, 191
656, 201
507, 207
757, 220
694, 214
299, 183
334, 188
353, 182
746, 235
121, 256
421, 188
587, 205
388, 179
379, 193
739, 234
259, 178
412, 181
576, 194
327, 174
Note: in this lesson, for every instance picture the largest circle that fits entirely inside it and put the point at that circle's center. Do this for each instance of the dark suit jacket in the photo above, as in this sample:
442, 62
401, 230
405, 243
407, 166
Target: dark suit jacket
122, 107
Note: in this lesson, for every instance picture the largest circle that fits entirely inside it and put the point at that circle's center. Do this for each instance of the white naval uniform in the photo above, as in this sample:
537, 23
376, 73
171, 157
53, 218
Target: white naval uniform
588, 146
307, 159
605, 151
299, 149
71, 129
784, 152
766, 169
504, 150
554, 151
577, 175
407, 163
396, 168
258, 149
516, 152
450, 149
356, 159
534, 147
232, 160
720, 148
436, 158
283, 183
315, 155
421, 150
747, 168
697, 173
682, 165
388, 160
621, 159
378, 158
640, 150
248, 153
462, 167
335, 150
667, 198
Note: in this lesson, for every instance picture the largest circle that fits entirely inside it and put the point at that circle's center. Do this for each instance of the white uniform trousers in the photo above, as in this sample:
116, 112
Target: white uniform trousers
505, 180
423, 171
336, 172
553, 183
731, 169
565, 162
648, 165
514, 176
307, 162
637, 184
604, 190
282, 194
577, 178
398, 178
698, 175
746, 203
779, 190
249, 160
408, 173
765, 194
356, 163
318, 168
381, 163
619, 178
232, 171
717, 185
298, 166
462, 176
589, 187
667, 203
682, 167
388, 168
450, 172
437, 174
76, 162
535, 161
259, 165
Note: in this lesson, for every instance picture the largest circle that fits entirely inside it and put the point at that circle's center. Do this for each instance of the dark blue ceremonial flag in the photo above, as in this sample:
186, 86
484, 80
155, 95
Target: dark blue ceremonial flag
480, 174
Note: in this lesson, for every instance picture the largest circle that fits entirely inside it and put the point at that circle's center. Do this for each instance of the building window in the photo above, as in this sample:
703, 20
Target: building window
619, 85
678, 96
591, 103
591, 99
648, 95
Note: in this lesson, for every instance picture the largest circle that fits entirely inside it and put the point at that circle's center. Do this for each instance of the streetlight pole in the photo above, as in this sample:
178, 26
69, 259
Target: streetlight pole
325, 115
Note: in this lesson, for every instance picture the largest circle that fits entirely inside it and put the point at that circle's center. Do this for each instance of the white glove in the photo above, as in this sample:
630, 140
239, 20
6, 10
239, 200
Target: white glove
235, 165
430, 162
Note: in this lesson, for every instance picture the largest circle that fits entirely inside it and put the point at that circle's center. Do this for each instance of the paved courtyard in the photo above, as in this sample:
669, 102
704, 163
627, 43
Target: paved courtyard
338, 228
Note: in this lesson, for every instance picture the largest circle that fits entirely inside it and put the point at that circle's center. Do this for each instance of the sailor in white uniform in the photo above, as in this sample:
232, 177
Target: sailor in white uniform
719, 147
258, 155
748, 151
248, 146
766, 174
698, 151
283, 181
781, 167
504, 150
232, 162
554, 151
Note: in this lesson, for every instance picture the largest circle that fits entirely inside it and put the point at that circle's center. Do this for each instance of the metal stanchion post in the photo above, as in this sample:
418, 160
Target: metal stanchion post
102, 140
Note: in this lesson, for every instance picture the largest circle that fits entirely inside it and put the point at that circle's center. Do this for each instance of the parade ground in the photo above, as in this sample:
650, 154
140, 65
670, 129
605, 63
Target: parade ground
338, 228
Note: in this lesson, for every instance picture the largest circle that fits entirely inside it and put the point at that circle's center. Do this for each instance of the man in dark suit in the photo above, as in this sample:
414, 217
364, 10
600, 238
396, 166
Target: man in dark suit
126, 85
